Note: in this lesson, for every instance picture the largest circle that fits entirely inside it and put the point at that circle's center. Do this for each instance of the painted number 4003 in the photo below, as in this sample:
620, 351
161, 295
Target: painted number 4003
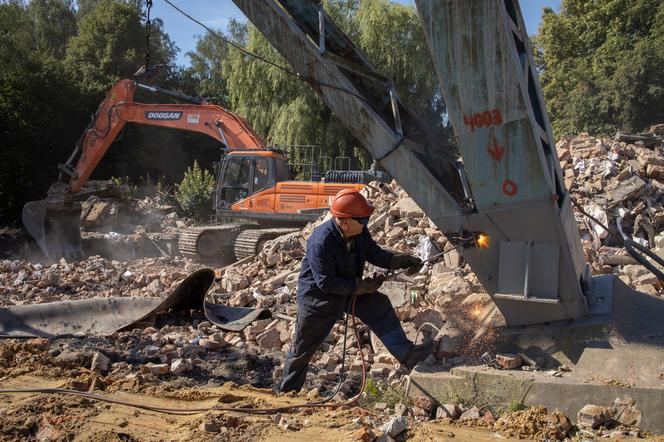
483, 119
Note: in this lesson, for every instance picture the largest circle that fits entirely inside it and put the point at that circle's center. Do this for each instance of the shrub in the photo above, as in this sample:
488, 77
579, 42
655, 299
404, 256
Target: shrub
195, 192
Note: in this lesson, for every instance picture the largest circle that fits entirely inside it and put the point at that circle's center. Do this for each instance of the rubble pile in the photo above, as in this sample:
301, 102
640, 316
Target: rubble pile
422, 300
613, 180
119, 208
22, 282
610, 179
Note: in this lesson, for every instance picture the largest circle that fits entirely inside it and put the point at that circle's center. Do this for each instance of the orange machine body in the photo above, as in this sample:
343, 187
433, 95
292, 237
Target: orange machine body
293, 197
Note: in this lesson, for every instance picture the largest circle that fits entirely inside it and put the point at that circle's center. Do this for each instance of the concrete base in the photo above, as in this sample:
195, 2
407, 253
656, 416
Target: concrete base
617, 351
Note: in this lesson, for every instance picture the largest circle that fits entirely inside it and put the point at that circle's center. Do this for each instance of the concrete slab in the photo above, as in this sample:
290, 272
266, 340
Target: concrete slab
618, 351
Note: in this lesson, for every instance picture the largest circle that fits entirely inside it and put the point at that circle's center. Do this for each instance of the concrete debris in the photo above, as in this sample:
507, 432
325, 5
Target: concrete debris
451, 411
624, 412
508, 361
100, 363
593, 416
471, 414
534, 423
395, 426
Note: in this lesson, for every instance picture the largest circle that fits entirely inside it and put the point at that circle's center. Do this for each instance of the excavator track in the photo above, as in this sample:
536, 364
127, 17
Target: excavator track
251, 241
210, 244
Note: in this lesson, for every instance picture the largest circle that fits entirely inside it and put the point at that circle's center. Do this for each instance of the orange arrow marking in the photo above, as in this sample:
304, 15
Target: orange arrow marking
495, 150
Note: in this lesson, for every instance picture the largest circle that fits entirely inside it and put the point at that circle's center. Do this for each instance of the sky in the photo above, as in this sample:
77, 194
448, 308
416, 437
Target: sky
217, 13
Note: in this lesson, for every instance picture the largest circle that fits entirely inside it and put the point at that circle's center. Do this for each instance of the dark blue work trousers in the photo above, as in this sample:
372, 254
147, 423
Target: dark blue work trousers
312, 327
328, 277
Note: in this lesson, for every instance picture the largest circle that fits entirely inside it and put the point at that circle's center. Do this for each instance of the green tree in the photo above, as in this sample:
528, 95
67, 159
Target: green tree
110, 45
46, 101
54, 23
38, 101
195, 192
601, 65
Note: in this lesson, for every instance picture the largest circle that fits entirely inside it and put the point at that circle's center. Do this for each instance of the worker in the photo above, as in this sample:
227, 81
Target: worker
331, 275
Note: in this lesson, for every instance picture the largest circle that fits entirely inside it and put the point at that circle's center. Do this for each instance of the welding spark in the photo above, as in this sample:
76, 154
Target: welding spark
482, 241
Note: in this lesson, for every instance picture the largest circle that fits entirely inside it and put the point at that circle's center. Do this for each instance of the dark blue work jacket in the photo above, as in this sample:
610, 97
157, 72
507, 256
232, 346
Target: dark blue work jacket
329, 269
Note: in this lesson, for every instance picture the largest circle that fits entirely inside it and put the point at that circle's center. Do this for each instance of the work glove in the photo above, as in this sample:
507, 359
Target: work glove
402, 261
368, 285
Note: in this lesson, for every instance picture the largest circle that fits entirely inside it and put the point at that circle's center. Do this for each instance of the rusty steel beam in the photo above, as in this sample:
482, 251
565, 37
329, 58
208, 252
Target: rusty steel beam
535, 272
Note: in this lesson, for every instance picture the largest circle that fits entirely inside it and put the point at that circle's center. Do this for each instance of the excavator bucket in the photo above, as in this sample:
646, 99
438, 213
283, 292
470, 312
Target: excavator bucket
55, 227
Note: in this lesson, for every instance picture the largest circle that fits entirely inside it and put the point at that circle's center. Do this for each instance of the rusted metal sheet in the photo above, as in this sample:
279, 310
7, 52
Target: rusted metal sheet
104, 316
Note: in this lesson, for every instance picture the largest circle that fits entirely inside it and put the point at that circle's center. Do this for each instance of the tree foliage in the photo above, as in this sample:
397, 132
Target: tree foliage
110, 45
601, 65
195, 192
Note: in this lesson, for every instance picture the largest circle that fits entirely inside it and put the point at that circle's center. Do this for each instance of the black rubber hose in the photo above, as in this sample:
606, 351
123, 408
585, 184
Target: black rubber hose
632, 246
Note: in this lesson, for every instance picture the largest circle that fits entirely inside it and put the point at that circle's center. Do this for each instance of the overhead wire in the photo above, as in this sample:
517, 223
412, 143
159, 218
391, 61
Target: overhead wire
286, 70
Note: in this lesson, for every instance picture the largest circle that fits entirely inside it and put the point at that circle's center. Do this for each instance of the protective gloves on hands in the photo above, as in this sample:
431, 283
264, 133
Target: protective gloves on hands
368, 285
402, 261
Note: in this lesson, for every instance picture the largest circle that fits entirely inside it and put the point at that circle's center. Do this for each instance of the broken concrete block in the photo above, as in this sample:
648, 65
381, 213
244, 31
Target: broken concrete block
279, 278
624, 411
379, 370
178, 366
241, 299
593, 416
448, 410
39, 343
100, 363
508, 361
99, 210
210, 344
626, 189
470, 414
395, 426
155, 369
155, 288
450, 340
270, 338
424, 403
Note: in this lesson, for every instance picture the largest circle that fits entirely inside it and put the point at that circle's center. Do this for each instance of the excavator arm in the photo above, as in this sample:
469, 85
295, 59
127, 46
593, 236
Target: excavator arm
54, 222
118, 109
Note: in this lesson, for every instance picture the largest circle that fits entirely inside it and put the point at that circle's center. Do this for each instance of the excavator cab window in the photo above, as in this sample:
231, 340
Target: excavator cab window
235, 179
282, 170
261, 174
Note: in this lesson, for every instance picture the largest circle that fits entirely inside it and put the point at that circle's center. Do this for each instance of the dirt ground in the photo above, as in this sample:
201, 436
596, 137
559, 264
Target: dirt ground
60, 417
44, 417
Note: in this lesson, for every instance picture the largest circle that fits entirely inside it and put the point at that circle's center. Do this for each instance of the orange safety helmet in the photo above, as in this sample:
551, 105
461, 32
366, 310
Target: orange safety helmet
349, 203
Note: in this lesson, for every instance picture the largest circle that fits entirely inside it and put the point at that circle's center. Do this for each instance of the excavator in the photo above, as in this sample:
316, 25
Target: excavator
254, 188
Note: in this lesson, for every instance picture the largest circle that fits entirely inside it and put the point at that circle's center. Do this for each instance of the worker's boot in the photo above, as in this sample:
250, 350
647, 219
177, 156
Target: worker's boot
418, 353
